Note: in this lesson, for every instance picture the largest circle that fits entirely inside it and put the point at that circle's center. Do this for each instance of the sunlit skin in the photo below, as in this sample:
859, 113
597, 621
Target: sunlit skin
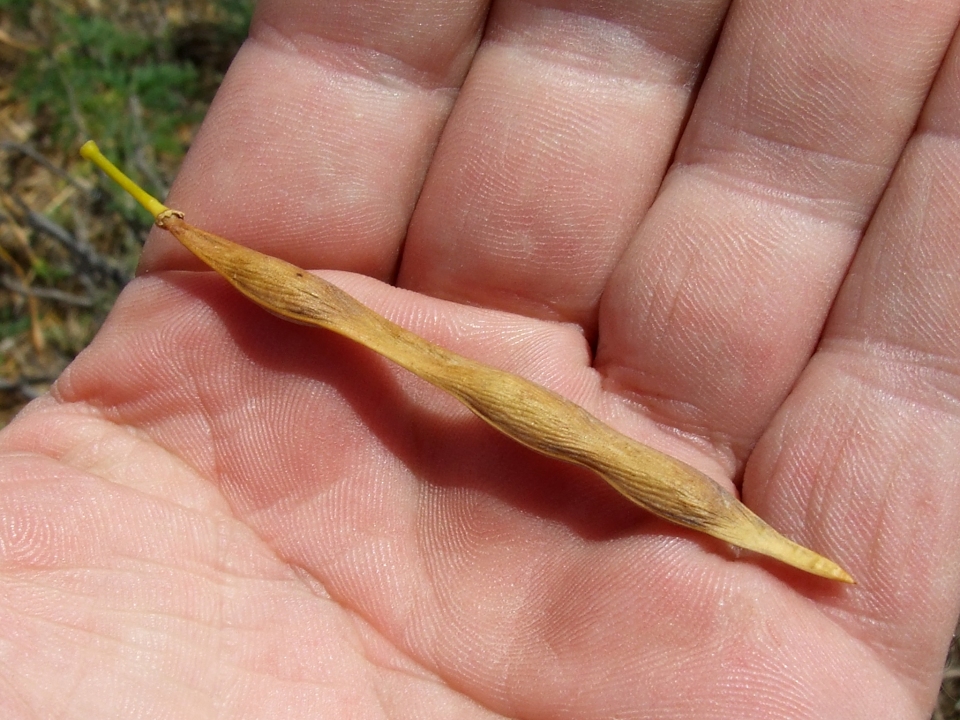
730, 236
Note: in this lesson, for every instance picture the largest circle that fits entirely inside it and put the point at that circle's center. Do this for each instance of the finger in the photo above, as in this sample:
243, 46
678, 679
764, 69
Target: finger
316, 144
871, 438
556, 148
720, 299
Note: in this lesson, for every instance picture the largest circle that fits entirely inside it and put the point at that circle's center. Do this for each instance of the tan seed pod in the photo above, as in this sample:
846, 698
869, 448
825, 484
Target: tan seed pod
530, 414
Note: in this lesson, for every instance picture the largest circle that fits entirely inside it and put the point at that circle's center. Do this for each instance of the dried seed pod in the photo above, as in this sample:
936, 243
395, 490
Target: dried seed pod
530, 414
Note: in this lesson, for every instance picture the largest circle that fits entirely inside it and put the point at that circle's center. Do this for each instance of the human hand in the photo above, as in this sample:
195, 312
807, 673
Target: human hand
219, 513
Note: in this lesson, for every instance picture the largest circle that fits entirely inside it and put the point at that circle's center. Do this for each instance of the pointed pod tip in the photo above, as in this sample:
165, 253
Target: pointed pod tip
806, 559
838, 573
753, 533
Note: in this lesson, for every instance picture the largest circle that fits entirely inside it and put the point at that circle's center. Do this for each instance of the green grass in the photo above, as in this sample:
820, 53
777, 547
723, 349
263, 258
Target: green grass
128, 84
137, 77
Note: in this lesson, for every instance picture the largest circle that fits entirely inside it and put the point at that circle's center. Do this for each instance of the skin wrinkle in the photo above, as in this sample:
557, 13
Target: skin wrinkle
357, 63
84, 623
599, 60
436, 570
671, 314
888, 353
658, 406
886, 651
429, 583
366, 61
13, 699
107, 410
726, 168
408, 667
816, 500
929, 132
652, 25
399, 663
872, 607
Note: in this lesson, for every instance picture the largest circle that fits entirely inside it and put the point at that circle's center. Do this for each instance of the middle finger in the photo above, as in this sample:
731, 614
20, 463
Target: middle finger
555, 149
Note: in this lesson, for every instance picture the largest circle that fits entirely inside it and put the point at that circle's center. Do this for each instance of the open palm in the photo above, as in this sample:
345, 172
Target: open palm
739, 245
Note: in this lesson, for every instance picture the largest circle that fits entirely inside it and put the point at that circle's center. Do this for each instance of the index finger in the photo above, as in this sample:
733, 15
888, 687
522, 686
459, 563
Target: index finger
325, 122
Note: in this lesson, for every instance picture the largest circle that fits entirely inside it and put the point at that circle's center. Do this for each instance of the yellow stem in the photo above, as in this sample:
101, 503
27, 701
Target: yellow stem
91, 152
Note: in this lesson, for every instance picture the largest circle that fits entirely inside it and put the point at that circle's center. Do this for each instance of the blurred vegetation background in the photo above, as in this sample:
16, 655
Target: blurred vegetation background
136, 76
